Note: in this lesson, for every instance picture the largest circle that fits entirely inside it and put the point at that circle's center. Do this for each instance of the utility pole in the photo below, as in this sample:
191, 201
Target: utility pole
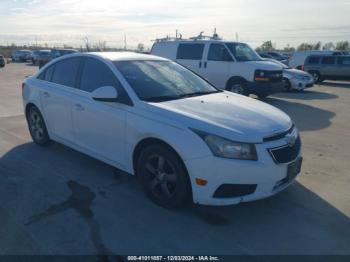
125, 44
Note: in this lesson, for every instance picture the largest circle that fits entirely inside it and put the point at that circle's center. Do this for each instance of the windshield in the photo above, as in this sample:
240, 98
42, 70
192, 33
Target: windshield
243, 52
158, 81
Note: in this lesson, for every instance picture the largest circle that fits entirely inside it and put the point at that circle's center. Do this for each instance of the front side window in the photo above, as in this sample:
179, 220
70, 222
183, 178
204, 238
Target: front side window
218, 52
328, 60
243, 52
158, 81
96, 74
66, 71
344, 60
190, 51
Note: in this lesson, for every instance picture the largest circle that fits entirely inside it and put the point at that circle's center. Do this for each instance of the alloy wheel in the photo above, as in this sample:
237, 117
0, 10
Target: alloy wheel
161, 176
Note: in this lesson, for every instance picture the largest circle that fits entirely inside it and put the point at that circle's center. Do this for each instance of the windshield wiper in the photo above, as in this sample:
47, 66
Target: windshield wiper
161, 98
200, 93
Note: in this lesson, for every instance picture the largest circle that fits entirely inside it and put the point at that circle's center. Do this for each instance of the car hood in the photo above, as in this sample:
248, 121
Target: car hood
226, 114
264, 65
296, 72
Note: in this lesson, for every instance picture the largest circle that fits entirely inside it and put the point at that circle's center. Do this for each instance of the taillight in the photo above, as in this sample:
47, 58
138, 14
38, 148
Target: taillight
302, 67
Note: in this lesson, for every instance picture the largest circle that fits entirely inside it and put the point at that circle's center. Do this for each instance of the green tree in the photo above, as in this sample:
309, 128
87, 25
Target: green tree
328, 46
304, 47
342, 46
266, 46
317, 46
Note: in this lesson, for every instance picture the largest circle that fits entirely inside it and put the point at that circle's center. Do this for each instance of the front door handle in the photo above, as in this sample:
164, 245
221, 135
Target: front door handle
200, 64
79, 107
46, 94
205, 64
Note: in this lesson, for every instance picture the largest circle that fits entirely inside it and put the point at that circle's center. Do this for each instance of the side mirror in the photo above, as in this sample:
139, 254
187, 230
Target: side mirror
105, 94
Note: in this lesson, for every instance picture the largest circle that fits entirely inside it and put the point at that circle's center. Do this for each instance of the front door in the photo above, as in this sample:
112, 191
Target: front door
99, 126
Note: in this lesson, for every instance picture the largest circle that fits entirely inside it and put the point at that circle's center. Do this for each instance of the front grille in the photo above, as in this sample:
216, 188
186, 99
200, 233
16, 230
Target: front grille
234, 190
287, 153
273, 76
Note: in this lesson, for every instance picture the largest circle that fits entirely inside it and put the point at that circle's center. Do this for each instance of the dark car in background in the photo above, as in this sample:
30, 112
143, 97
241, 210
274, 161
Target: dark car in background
61, 52
323, 67
54, 53
21, 55
2, 61
274, 55
43, 57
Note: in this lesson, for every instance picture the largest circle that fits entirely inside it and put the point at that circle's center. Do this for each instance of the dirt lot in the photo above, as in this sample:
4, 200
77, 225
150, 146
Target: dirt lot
58, 201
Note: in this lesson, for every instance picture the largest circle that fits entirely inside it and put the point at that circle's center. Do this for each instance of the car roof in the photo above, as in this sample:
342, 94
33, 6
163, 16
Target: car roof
125, 56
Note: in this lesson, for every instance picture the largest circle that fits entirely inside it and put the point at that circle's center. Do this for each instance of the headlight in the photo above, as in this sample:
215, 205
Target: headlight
225, 148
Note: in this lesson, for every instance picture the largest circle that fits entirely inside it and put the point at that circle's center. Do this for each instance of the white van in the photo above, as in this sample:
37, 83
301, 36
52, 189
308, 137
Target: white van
231, 66
298, 58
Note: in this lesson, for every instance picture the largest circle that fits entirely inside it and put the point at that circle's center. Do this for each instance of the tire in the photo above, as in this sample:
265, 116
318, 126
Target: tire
287, 84
163, 176
316, 76
37, 127
238, 86
262, 96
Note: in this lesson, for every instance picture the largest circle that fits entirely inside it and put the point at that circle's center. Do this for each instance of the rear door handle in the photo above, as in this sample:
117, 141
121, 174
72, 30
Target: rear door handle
79, 107
205, 64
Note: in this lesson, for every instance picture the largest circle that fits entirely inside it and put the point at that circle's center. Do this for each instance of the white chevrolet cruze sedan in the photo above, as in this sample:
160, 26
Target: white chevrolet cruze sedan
153, 118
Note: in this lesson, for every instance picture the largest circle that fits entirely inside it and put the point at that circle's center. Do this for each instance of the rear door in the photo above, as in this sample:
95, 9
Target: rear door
100, 126
344, 66
217, 65
328, 66
190, 55
56, 96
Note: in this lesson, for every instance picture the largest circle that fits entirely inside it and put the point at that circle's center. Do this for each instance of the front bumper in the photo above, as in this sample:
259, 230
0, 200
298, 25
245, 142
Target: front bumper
264, 173
299, 84
265, 88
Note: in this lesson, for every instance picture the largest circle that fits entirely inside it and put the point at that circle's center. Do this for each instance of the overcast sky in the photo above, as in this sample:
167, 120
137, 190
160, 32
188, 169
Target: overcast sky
69, 21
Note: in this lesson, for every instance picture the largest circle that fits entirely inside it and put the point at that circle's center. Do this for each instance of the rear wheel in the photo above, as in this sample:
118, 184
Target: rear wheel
163, 176
316, 76
286, 84
37, 127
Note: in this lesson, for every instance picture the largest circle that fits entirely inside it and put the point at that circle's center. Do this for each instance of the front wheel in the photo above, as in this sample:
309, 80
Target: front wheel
238, 87
37, 127
163, 176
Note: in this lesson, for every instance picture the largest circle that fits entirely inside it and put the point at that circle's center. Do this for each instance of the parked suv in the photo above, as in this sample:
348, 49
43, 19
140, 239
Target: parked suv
21, 55
231, 66
298, 58
2, 61
328, 67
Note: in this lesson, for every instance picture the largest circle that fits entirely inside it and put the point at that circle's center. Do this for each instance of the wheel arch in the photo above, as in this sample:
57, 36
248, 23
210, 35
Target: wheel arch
234, 78
151, 141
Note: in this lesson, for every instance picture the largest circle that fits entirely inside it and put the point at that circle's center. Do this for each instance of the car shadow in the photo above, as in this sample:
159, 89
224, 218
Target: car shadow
74, 204
307, 95
336, 84
306, 117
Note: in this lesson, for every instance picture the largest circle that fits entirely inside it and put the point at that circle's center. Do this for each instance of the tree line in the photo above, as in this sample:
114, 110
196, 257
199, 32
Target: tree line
340, 46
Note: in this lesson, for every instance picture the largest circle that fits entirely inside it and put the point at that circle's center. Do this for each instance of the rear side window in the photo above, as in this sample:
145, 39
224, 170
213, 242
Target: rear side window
344, 60
313, 60
328, 60
66, 72
218, 52
47, 74
190, 51
96, 74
